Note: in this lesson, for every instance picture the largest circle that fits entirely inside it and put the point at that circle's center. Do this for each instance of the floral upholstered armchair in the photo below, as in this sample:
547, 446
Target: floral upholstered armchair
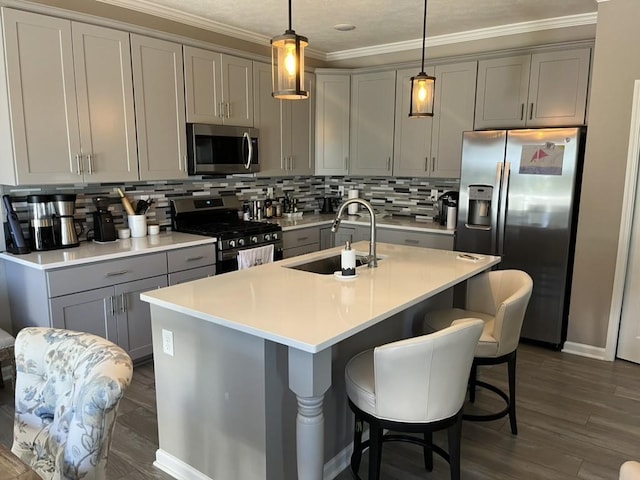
68, 387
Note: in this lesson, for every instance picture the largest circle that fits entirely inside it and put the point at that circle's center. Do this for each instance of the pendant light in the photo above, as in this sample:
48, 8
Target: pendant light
287, 64
422, 85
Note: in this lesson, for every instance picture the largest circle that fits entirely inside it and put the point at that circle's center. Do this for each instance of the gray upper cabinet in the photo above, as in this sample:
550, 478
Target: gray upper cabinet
412, 145
540, 90
218, 88
298, 131
286, 127
452, 115
71, 102
432, 147
160, 109
333, 93
372, 117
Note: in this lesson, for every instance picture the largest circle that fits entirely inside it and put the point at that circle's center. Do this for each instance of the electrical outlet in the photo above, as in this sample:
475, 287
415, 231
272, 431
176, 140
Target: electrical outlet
341, 190
167, 342
434, 194
269, 192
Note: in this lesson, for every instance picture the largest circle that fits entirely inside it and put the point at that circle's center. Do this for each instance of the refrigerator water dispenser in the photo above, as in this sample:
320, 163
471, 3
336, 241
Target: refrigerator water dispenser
479, 213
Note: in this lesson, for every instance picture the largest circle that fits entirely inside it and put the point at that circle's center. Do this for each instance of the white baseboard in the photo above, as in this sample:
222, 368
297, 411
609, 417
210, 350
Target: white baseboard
584, 350
338, 463
181, 471
177, 468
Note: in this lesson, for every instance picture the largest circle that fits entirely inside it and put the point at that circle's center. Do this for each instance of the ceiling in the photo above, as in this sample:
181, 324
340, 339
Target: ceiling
380, 24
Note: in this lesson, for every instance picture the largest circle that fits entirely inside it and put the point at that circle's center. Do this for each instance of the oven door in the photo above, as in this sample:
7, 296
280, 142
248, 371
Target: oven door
227, 261
221, 149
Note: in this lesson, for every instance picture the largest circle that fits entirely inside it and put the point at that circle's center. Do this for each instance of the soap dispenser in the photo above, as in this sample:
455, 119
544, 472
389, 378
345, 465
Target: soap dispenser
348, 260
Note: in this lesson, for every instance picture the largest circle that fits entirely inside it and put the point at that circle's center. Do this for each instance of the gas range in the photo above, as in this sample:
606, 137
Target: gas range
217, 217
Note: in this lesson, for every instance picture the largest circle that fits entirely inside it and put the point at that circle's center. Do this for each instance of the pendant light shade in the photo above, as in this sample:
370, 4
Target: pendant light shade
422, 85
287, 64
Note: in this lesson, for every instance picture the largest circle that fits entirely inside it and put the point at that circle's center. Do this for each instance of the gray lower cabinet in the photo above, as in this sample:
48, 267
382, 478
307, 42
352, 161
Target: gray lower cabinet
192, 263
103, 298
351, 233
300, 241
115, 313
415, 239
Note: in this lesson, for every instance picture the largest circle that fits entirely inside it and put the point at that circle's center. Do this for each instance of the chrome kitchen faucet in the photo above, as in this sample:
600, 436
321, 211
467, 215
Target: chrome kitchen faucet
372, 260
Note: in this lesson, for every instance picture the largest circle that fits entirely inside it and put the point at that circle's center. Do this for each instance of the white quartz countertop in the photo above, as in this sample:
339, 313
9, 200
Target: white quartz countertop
391, 222
312, 312
88, 252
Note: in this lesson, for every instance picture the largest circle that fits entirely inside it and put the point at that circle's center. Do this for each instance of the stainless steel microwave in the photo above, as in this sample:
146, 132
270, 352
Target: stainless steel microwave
221, 149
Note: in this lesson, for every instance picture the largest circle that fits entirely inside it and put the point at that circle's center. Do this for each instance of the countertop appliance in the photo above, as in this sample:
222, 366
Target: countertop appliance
41, 231
217, 217
519, 193
104, 229
13, 235
64, 204
221, 149
446, 200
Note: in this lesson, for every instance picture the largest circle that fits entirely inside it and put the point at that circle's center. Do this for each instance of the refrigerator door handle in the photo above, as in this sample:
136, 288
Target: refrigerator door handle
502, 212
476, 227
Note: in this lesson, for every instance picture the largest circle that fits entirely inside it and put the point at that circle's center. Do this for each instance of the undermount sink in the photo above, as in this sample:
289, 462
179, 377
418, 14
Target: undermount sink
326, 266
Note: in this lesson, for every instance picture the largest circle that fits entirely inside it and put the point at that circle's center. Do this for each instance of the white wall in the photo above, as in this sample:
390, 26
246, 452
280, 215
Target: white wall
615, 68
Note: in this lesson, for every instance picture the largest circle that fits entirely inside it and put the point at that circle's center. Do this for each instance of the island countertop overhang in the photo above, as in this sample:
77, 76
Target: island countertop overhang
312, 312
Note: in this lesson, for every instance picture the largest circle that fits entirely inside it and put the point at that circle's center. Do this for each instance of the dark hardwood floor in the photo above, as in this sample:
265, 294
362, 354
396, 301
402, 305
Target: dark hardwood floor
578, 418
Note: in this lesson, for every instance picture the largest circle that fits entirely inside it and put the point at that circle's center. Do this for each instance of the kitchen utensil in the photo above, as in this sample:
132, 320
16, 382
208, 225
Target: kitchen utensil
126, 203
13, 231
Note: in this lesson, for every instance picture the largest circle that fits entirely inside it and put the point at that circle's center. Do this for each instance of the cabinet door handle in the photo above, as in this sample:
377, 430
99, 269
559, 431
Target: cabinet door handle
388, 163
221, 109
433, 164
522, 111
531, 112
123, 302
193, 259
115, 274
228, 110
113, 308
412, 241
90, 163
302, 239
78, 166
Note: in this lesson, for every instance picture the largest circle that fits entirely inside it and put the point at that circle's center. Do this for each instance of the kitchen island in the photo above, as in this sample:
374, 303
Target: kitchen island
243, 351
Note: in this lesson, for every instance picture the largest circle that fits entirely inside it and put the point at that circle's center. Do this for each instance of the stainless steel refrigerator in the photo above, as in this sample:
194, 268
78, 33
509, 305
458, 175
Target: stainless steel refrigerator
519, 192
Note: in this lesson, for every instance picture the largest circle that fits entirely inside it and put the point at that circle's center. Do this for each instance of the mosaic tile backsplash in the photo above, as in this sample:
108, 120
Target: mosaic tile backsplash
396, 196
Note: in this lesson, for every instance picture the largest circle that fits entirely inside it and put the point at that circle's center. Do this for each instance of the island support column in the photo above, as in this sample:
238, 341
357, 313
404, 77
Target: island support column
309, 379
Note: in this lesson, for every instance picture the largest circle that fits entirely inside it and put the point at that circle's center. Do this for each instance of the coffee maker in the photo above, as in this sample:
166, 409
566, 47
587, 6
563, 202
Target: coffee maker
104, 230
41, 231
64, 205
447, 199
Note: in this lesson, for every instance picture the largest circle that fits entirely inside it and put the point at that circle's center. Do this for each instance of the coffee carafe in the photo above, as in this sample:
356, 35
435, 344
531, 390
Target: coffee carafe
41, 231
104, 230
65, 228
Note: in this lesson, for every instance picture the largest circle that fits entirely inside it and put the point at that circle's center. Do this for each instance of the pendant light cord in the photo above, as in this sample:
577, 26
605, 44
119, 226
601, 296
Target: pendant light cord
424, 30
290, 14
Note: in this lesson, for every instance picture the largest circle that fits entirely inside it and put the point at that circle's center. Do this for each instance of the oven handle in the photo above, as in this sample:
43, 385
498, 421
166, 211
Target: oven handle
250, 146
232, 254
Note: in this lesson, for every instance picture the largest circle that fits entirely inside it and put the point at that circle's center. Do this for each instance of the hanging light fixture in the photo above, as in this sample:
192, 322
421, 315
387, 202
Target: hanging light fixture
422, 85
287, 64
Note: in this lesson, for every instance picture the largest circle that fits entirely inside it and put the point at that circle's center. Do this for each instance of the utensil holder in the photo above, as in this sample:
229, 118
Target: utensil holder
138, 225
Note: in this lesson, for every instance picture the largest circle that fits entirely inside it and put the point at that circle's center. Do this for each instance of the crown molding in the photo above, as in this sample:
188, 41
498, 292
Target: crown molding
469, 36
147, 7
